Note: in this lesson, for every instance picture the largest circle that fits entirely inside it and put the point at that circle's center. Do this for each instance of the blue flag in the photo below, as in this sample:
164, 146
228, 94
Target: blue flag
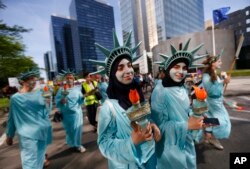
220, 14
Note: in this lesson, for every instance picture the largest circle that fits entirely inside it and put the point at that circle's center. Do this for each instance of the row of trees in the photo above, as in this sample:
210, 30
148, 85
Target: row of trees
12, 58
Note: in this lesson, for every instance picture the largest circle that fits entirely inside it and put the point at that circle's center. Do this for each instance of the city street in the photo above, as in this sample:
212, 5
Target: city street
237, 102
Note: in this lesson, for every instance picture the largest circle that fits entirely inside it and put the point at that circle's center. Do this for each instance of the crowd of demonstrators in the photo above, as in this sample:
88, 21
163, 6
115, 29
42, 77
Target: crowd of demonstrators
166, 141
214, 86
69, 100
123, 146
146, 80
171, 111
29, 117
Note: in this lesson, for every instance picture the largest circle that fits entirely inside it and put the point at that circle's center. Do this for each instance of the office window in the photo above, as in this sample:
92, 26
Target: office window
248, 29
247, 21
247, 12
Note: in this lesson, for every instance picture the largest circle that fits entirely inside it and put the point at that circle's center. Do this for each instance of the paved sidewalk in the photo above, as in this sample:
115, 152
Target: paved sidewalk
238, 86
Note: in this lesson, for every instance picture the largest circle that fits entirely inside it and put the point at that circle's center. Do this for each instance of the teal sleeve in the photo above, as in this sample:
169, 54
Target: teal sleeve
58, 98
113, 148
11, 128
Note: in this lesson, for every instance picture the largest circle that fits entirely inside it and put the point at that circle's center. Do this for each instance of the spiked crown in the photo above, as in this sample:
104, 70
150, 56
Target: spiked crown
181, 54
115, 53
217, 57
26, 75
66, 72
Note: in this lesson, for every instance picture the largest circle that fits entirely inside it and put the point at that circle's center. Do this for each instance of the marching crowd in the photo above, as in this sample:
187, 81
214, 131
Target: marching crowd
162, 138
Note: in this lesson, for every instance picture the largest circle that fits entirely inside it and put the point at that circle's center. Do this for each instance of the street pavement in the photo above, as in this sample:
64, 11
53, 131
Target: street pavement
237, 102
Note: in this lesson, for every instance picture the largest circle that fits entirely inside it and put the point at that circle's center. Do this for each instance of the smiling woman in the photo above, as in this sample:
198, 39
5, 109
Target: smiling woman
171, 111
125, 72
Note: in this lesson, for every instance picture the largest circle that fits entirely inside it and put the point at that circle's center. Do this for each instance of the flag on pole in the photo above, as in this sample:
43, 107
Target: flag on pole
220, 14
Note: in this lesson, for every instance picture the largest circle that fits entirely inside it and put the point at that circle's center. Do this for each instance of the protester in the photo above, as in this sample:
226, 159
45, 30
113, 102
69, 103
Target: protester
102, 86
88, 90
69, 100
214, 86
171, 112
123, 146
29, 117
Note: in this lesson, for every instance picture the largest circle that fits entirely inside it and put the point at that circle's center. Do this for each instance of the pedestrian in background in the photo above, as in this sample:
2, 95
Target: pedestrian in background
69, 100
88, 90
214, 85
29, 117
102, 86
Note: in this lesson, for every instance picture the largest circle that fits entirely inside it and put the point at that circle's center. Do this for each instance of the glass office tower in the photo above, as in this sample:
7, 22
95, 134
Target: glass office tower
95, 24
65, 44
176, 18
152, 21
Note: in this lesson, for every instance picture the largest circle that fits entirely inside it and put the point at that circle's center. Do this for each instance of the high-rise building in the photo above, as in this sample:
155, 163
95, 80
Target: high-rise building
176, 18
117, 15
132, 21
95, 24
239, 22
49, 66
163, 19
65, 44
152, 21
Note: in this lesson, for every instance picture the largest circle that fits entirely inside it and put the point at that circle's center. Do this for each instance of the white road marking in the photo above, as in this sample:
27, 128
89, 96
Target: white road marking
2, 139
239, 119
245, 98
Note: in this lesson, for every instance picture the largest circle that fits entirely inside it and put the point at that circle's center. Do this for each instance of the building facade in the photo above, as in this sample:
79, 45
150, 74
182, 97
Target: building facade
65, 44
95, 22
174, 18
49, 66
153, 21
239, 22
197, 38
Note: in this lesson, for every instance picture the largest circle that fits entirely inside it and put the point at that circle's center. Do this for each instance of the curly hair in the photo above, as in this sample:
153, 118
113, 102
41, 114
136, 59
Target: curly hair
208, 69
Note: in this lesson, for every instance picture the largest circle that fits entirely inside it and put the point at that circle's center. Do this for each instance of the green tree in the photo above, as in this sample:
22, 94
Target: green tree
12, 58
12, 67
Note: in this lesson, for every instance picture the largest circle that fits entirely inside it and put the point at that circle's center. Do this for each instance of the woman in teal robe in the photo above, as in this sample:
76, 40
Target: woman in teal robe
170, 107
124, 146
102, 86
70, 102
214, 86
29, 117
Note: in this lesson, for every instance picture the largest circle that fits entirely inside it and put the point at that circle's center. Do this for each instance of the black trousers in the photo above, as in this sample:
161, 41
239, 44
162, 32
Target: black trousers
91, 113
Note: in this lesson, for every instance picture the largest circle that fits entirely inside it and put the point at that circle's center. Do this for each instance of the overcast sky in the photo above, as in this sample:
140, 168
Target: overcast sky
35, 14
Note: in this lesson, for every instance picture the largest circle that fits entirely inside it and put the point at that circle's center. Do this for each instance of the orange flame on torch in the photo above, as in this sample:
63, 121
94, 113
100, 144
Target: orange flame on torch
45, 89
200, 93
134, 96
65, 86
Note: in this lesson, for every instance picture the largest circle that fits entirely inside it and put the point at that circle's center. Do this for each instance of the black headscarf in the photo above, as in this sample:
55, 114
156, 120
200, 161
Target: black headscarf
167, 81
117, 90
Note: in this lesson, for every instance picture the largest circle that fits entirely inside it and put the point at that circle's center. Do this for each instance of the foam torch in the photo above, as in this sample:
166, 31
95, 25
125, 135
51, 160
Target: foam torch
138, 113
65, 91
46, 92
199, 106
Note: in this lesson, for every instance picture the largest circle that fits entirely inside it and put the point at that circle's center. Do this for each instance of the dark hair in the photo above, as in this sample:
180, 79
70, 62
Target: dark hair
85, 74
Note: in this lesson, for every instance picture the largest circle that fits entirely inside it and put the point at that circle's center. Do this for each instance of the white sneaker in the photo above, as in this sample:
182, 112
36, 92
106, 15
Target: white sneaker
81, 149
216, 143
